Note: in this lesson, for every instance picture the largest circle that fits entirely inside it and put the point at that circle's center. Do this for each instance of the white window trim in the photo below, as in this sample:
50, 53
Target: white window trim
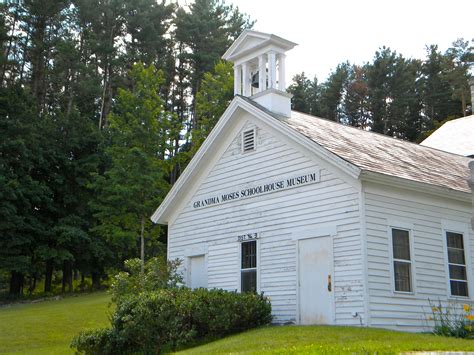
242, 141
460, 228
257, 269
407, 227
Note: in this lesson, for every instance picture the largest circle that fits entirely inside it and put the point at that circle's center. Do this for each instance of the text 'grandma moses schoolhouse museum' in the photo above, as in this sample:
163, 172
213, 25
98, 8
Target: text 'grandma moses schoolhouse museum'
336, 225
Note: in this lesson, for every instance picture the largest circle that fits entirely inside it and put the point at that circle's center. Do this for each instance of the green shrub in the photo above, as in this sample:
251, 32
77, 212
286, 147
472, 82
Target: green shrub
158, 273
95, 341
150, 321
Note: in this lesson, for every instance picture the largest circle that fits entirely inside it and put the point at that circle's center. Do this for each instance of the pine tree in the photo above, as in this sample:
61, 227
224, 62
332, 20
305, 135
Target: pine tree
207, 30
460, 58
437, 93
25, 197
212, 99
332, 92
355, 101
134, 184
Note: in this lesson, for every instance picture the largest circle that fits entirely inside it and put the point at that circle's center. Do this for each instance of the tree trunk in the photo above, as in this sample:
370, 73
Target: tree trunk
67, 276
9, 47
176, 168
108, 102
23, 57
32, 284
102, 104
95, 281
63, 283
69, 283
38, 60
463, 104
48, 276
142, 244
16, 283
81, 286
71, 93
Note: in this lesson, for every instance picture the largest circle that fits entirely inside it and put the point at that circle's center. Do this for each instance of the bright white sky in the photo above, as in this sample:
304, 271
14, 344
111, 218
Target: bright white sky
332, 31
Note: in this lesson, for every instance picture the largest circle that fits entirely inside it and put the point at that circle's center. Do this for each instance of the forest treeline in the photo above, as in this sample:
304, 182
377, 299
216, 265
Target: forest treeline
401, 97
97, 104
104, 102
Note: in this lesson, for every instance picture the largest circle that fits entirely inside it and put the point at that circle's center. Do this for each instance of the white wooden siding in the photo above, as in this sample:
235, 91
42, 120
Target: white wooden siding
275, 216
384, 206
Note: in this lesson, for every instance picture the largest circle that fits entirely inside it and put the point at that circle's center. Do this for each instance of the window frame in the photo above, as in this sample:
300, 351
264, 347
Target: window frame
458, 228
257, 260
409, 228
254, 130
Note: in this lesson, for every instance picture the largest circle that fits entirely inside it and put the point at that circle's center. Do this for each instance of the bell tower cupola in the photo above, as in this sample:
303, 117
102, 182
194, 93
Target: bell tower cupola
259, 69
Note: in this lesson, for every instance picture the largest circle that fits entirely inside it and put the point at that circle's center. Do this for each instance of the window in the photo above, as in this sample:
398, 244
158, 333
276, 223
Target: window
248, 273
401, 260
457, 264
248, 141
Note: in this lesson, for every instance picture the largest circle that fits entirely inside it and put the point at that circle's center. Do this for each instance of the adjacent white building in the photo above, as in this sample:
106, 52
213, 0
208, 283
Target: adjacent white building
336, 225
455, 136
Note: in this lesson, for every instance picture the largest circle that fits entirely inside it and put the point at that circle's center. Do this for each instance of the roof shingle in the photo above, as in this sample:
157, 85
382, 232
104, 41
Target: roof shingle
385, 155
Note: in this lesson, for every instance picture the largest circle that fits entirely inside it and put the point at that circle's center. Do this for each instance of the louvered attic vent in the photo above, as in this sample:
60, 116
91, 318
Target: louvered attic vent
248, 140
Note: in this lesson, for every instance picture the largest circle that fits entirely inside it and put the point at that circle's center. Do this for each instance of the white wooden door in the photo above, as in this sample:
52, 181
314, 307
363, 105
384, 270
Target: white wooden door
316, 282
197, 272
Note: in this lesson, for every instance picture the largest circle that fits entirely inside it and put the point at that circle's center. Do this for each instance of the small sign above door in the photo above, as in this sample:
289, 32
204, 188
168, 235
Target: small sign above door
245, 237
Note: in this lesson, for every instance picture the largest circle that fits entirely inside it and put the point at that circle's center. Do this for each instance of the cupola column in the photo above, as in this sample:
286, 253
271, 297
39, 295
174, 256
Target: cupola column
237, 79
245, 79
262, 73
281, 72
271, 70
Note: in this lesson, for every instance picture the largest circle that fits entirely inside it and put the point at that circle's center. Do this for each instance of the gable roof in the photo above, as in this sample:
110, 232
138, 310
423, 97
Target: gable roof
353, 150
381, 154
204, 155
455, 136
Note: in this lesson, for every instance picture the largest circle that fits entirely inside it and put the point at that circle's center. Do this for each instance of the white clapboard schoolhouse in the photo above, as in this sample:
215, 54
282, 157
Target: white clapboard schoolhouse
335, 224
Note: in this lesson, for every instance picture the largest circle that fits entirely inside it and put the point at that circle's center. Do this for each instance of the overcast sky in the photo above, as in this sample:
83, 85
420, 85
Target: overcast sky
332, 31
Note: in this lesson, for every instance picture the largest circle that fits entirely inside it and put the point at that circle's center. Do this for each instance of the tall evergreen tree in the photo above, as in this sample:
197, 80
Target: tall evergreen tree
437, 94
460, 58
207, 30
212, 99
23, 195
355, 100
305, 94
134, 184
332, 92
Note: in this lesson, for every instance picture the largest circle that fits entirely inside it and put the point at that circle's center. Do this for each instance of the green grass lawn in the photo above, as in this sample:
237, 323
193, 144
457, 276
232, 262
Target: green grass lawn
328, 340
48, 327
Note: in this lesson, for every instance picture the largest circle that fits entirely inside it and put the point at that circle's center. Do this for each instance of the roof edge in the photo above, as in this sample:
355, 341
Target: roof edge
412, 185
266, 38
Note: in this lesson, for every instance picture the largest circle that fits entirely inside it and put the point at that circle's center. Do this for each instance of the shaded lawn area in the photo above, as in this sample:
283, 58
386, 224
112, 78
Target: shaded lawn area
329, 340
48, 327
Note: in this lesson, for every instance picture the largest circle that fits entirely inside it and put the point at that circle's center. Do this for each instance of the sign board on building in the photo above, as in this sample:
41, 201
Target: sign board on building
260, 188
